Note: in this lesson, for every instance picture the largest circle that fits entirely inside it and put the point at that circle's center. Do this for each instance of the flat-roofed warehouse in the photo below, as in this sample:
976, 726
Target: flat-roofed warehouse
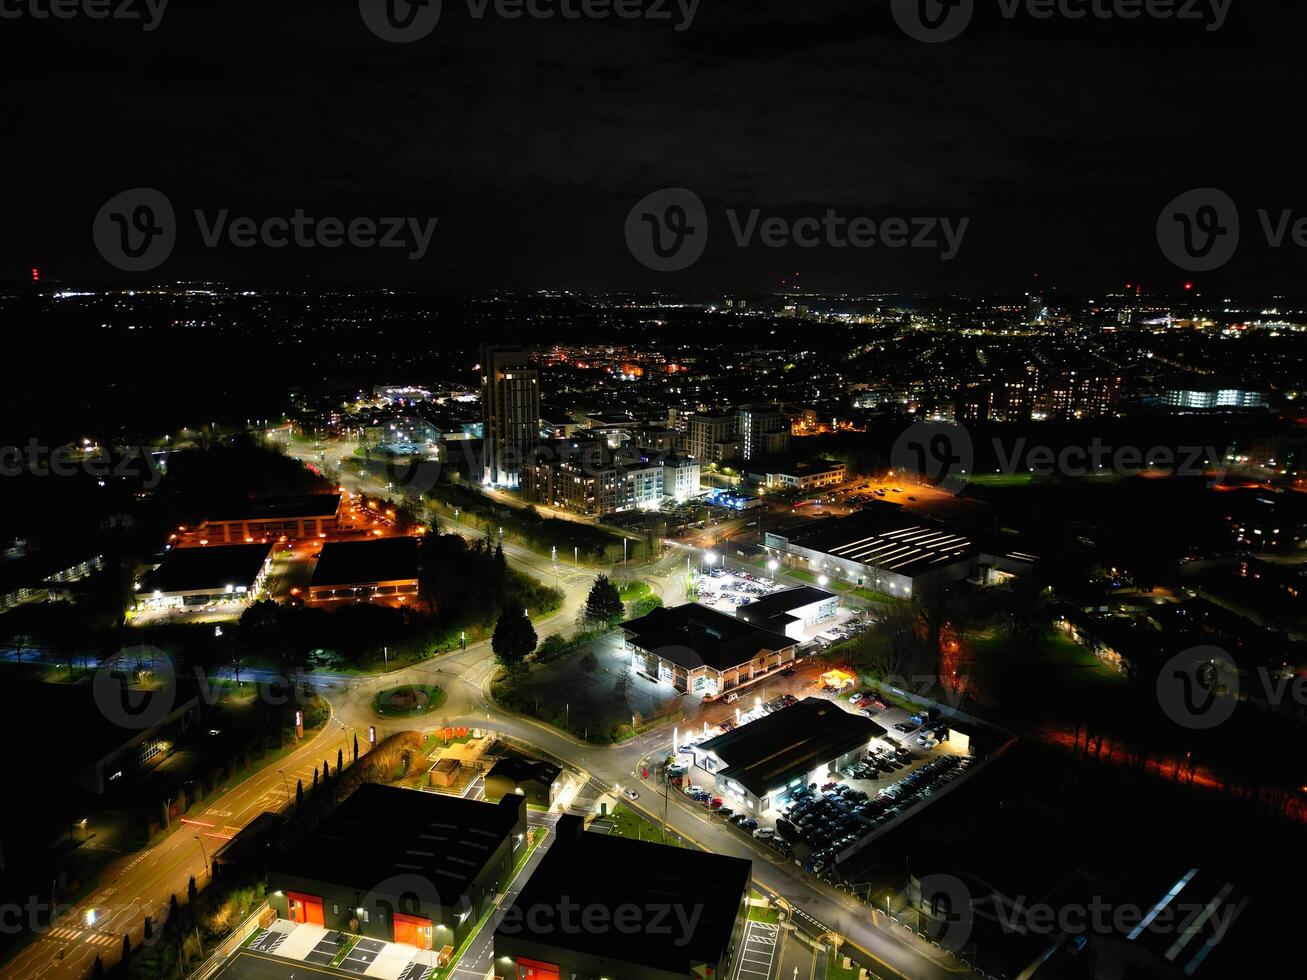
894, 553
310, 515
797, 613
199, 576
601, 905
760, 764
376, 568
401, 865
702, 651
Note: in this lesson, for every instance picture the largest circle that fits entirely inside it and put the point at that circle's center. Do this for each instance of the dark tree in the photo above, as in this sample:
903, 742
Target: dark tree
340, 761
603, 607
356, 746
299, 794
514, 638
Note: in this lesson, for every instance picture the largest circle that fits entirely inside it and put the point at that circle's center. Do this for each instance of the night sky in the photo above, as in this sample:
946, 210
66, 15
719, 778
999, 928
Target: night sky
1060, 141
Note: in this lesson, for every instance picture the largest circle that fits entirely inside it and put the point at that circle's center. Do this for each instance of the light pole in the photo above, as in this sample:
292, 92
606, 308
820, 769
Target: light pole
285, 784
771, 567
203, 853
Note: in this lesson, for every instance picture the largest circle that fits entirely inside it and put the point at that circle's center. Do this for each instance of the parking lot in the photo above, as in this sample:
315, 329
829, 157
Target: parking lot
825, 820
726, 591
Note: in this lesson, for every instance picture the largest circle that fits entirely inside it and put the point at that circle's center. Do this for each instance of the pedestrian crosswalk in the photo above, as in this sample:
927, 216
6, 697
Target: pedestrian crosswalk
87, 936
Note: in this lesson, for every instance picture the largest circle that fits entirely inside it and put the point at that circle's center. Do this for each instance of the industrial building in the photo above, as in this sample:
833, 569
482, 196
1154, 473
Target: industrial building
669, 913
400, 866
797, 613
104, 735
313, 515
701, 651
377, 569
200, 576
890, 552
757, 766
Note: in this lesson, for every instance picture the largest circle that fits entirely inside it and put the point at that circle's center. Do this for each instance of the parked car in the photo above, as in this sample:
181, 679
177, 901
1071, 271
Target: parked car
764, 833
631, 794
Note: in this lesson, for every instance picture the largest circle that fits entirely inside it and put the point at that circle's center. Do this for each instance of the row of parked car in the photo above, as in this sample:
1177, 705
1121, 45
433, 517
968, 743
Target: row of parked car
929, 731
838, 816
718, 806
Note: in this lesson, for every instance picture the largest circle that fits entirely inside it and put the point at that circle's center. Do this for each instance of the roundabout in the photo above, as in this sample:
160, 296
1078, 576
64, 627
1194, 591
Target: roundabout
408, 701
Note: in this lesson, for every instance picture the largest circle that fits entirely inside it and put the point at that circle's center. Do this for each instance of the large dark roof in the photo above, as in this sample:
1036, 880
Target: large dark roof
694, 636
383, 832
375, 560
776, 608
896, 542
71, 724
602, 870
519, 770
215, 568
280, 508
789, 743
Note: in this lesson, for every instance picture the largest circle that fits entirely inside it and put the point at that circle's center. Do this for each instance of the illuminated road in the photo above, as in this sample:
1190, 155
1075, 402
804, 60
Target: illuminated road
141, 884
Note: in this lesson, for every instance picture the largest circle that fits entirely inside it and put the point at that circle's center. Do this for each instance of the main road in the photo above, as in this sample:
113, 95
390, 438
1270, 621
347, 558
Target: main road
465, 676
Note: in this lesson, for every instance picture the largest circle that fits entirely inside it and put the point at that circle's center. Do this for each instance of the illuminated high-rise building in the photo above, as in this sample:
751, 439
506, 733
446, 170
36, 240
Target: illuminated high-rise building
510, 406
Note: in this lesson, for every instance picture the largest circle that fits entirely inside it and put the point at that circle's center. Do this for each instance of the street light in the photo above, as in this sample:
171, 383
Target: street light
771, 567
282, 774
822, 581
203, 853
